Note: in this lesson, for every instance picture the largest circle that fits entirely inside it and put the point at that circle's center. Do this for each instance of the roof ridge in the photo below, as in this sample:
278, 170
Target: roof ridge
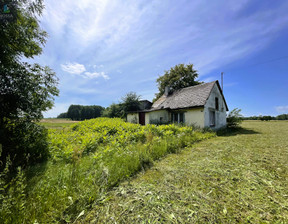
205, 83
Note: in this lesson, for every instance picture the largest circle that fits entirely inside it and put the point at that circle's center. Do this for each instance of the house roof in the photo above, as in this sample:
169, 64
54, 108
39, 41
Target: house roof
189, 97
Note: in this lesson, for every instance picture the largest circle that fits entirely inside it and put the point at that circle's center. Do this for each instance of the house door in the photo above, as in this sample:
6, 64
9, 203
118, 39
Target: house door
142, 118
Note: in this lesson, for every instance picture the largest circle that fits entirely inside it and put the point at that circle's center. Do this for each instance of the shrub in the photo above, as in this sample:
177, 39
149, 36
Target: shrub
234, 118
24, 142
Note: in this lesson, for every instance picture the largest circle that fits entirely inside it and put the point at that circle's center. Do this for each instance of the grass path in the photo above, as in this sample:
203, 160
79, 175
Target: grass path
241, 177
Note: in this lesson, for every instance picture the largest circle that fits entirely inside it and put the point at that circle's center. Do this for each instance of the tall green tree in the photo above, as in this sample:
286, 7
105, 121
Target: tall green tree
179, 76
26, 89
130, 102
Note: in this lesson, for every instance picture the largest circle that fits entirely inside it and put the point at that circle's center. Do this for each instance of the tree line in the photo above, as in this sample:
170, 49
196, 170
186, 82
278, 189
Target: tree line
130, 102
79, 112
267, 118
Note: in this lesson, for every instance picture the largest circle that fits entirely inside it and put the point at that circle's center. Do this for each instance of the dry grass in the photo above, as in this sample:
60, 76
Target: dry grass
56, 123
241, 177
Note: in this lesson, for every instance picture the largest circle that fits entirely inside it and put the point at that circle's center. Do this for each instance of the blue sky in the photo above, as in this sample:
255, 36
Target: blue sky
101, 50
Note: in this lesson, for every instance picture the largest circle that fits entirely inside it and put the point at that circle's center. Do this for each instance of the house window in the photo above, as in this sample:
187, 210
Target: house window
212, 119
175, 117
216, 103
181, 117
178, 117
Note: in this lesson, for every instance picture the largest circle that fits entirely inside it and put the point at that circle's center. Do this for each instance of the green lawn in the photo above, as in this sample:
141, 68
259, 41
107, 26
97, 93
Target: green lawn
238, 177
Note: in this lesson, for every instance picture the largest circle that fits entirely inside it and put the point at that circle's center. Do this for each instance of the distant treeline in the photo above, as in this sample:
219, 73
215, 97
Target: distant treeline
79, 112
130, 102
267, 118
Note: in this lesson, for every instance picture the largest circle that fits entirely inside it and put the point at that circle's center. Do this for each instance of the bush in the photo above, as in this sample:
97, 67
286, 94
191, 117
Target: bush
24, 142
234, 118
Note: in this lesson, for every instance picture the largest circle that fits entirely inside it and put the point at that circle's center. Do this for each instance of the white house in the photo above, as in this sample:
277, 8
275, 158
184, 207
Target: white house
202, 105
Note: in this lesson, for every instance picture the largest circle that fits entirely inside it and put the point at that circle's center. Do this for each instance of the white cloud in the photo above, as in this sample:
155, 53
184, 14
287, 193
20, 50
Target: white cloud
98, 66
88, 21
73, 68
124, 32
93, 75
79, 69
282, 109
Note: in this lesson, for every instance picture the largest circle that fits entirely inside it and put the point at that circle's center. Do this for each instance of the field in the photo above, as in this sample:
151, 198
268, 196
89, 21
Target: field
52, 123
239, 177
109, 171
87, 160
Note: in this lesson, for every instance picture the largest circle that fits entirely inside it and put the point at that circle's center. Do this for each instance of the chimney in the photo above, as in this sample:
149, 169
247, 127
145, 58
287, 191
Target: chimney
167, 90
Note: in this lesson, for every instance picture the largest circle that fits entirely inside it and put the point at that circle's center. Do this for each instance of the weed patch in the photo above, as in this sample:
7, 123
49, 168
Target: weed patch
240, 176
88, 159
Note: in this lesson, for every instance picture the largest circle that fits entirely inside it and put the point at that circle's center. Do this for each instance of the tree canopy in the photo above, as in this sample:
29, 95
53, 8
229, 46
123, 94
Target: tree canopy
179, 76
114, 110
26, 90
129, 102
79, 112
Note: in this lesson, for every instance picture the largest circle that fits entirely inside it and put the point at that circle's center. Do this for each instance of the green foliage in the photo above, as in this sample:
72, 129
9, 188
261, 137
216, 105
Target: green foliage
266, 118
79, 112
113, 111
234, 118
130, 102
91, 157
26, 90
178, 77
12, 196
282, 117
24, 142
62, 115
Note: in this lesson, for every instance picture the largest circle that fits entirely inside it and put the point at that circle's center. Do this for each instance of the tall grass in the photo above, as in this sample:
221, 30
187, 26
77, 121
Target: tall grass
238, 177
87, 160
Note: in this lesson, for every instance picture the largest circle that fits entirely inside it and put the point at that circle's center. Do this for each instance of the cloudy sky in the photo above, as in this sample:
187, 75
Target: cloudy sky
102, 49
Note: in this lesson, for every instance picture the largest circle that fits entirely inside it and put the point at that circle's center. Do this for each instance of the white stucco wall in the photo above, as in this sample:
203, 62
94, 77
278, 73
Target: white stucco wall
191, 116
147, 118
220, 115
155, 116
133, 118
195, 117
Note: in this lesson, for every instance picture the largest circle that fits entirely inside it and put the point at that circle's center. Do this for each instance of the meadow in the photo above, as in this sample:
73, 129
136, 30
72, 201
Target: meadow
87, 160
56, 123
109, 171
240, 176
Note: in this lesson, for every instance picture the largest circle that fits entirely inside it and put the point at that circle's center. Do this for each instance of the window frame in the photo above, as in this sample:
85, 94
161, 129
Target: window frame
216, 103
178, 117
212, 118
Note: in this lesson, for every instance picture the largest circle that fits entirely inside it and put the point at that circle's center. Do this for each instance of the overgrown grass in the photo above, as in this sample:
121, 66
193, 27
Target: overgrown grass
87, 160
239, 177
